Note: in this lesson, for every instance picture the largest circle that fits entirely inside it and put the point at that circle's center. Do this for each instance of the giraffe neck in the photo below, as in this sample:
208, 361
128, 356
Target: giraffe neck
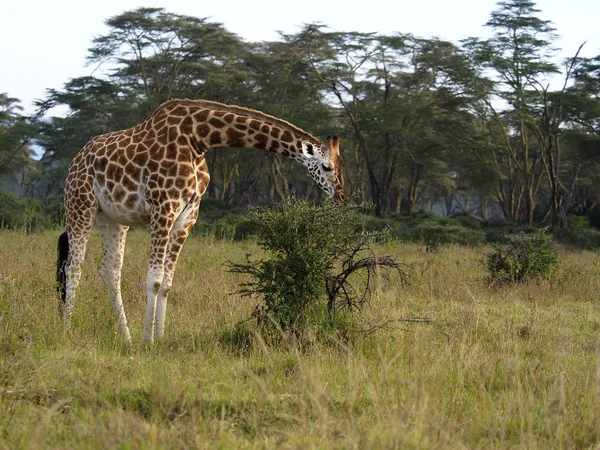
209, 125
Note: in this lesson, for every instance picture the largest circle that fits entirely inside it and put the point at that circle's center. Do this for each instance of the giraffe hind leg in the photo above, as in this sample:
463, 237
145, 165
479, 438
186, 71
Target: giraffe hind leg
113, 242
78, 234
80, 210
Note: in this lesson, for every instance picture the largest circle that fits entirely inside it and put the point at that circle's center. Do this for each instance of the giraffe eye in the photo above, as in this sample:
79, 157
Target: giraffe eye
325, 168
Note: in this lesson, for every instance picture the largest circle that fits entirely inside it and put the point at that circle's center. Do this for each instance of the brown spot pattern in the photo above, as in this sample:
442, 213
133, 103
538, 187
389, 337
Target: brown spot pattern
215, 138
216, 123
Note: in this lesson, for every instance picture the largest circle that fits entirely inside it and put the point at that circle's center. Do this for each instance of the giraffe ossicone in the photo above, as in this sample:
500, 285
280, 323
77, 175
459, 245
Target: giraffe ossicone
155, 173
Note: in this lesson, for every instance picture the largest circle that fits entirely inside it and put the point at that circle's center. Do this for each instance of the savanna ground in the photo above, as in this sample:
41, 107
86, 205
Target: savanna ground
460, 364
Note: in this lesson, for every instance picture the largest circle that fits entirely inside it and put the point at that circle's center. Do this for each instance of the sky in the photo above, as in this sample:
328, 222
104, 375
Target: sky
43, 43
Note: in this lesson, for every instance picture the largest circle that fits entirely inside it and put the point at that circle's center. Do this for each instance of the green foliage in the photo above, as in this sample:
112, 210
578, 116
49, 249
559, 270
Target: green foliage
15, 133
222, 220
415, 116
433, 234
308, 245
499, 231
21, 213
523, 256
430, 230
593, 217
580, 233
232, 227
578, 222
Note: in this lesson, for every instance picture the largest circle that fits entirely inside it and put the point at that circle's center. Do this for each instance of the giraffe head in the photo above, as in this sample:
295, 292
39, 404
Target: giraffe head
325, 166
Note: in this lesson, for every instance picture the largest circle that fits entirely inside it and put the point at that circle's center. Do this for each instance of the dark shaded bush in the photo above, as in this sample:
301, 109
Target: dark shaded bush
54, 209
232, 227
429, 230
470, 222
434, 234
499, 230
212, 209
579, 234
587, 238
593, 216
222, 220
576, 222
522, 256
21, 213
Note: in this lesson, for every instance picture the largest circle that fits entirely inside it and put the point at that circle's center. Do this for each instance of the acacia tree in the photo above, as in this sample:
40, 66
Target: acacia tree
580, 137
519, 58
401, 104
16, 132
159, 55
147, 57
436, 128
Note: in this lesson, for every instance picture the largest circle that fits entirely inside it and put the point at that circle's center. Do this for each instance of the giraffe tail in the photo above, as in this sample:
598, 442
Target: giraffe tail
61, 276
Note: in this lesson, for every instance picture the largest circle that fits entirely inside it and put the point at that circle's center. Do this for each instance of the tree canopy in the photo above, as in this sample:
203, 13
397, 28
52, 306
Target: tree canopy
421, 120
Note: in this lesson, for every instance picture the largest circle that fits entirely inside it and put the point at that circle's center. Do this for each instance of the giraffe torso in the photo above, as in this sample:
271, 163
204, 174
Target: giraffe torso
131, 172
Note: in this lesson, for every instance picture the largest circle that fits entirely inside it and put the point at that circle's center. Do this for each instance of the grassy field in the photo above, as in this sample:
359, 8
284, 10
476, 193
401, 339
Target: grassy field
487, 367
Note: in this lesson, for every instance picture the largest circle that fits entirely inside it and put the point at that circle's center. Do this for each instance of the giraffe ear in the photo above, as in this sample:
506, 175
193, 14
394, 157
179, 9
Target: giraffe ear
334, 144
308, 150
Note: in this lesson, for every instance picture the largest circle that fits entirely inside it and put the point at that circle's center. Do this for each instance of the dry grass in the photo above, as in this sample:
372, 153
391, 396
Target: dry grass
511, 367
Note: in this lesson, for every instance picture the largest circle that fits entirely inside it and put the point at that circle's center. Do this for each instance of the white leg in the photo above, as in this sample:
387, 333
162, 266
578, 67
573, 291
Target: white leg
153, 283
113, 242
161, 224
181, 230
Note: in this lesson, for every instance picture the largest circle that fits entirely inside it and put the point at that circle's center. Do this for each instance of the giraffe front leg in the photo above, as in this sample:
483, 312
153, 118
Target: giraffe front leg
113, 242
181, 230
153, 283
161, 224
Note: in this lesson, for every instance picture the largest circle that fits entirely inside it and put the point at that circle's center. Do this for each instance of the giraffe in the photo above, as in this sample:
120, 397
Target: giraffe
156, 173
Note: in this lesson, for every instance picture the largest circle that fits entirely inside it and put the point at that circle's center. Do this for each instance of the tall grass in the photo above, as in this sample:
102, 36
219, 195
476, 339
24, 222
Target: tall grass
458, 364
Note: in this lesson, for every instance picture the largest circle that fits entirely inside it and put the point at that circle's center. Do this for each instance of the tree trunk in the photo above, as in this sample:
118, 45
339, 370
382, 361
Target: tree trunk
484, 208
413, 189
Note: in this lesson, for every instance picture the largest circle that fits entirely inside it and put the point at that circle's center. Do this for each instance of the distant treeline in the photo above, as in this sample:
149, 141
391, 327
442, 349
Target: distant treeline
421, 121
223, 220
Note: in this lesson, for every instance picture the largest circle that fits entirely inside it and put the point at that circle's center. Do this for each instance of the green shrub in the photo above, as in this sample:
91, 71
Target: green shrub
433, 234
578, 222
469, 222
232, 226
54, 209
222, 220
429, 229
316, 254
22, 213
522, 256
593, 216
212, 209
500, 230
371, 223
581, 237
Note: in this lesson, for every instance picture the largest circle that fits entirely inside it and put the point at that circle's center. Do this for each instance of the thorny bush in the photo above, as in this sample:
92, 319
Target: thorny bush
321, 260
